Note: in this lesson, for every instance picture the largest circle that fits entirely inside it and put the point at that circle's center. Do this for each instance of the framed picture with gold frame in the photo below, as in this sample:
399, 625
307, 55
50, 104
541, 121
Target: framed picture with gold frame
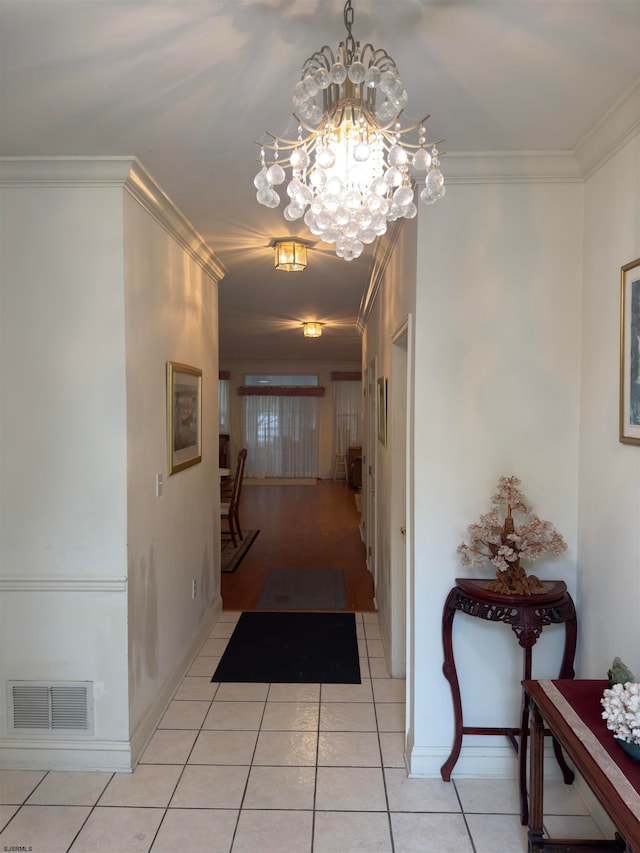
630, 353
382, 410
184, 416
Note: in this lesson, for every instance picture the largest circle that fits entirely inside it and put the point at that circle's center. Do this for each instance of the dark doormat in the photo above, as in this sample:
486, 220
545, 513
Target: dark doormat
290, 648
303, 589
230, 557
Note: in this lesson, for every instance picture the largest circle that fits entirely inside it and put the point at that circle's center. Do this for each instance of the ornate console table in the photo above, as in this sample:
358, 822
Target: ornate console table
527, 615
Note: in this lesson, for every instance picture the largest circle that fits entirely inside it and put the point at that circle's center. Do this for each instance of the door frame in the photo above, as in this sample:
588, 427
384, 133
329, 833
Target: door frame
369, 472
400, 409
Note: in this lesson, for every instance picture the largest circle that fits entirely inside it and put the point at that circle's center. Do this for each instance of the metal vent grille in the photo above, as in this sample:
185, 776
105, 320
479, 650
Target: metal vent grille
51, 707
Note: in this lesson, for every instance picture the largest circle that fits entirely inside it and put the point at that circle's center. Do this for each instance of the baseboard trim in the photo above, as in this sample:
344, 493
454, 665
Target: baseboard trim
281, 481
111, 756
475, 762
148, 724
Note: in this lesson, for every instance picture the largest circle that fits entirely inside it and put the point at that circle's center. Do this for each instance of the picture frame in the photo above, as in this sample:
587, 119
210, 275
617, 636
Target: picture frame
382, 410
184, 416
630, 353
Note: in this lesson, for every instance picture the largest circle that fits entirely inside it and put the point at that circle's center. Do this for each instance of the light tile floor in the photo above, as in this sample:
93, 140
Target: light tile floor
255, 768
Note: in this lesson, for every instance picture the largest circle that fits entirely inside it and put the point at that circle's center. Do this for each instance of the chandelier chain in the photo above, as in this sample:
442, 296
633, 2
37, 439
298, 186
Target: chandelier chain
350, 44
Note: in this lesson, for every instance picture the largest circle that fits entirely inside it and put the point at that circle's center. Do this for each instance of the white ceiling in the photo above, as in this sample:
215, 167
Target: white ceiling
187, 87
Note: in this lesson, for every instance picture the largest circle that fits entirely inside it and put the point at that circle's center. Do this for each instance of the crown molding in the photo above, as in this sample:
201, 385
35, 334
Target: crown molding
125, 172
382, 252
509, 167
64, 171
150, 195
620, 124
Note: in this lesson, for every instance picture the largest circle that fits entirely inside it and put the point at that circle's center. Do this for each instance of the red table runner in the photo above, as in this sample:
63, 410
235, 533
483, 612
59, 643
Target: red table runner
584, 697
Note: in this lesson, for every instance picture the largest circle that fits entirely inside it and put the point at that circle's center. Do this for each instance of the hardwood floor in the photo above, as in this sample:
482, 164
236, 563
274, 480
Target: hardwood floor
301, 527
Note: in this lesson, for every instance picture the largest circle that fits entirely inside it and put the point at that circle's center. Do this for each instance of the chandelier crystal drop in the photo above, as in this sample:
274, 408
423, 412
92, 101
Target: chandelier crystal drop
349, 168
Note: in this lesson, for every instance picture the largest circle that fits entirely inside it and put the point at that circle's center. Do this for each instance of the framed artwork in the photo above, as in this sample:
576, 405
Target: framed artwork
382, 410
630, 353
184, 416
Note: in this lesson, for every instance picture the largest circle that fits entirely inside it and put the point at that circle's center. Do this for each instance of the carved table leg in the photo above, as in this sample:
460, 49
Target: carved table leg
524, 731
567, 773
522, 762
449, 670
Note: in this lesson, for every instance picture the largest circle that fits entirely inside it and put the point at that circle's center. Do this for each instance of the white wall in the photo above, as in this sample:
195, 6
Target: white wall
609, 489
322, 369
496, 391
103, 281
63, 460
171, 308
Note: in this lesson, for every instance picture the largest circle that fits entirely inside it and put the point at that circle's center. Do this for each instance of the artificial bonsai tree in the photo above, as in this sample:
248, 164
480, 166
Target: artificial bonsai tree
496, 538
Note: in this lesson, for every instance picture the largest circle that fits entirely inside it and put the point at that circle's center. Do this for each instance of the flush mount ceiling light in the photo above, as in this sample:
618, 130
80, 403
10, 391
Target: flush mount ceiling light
349, 167
312, 330
290, 255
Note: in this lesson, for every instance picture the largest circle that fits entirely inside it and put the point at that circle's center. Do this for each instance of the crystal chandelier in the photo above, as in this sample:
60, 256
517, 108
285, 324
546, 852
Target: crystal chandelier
349, 166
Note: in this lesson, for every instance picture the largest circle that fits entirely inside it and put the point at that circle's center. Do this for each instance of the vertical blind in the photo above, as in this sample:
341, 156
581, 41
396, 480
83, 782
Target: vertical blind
281, 436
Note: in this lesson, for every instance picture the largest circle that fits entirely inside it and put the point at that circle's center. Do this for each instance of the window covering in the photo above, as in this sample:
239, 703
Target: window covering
280, 391
346, 376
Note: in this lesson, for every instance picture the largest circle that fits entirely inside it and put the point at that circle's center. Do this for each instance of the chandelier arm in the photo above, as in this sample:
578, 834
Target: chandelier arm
390, 128
282, 145
415, 145
368, 47
324, 57
280, 140
413, 126
385, 128
380, 58
313, 131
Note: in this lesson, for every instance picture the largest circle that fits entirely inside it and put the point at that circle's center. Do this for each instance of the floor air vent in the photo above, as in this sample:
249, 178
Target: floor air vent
51, 707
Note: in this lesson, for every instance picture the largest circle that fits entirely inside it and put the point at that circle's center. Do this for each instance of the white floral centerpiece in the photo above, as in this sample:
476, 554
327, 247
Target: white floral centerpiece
621, 703
496, 538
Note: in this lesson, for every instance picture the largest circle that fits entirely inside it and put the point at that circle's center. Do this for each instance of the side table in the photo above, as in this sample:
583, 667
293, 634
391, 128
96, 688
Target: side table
527, 615
571, 710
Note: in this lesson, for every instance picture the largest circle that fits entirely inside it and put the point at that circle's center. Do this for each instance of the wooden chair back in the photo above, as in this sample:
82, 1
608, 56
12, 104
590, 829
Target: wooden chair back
229, 511
239, 477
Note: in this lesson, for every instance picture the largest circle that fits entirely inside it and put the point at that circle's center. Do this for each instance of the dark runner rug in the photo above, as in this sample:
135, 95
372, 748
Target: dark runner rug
231, 557
303, 589
290, 648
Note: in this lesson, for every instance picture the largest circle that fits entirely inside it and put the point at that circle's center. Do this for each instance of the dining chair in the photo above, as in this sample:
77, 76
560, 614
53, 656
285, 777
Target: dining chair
229, 510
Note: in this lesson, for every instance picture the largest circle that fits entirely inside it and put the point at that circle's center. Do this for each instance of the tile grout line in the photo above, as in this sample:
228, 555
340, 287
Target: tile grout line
464, 816
184, 765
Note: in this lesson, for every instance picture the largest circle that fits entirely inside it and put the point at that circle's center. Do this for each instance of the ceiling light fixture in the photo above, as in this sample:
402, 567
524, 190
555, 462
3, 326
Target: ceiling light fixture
350, 163
312, 330
290, 255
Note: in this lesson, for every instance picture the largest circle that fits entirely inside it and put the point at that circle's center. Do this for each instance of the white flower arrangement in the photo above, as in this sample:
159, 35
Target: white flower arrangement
621, 705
